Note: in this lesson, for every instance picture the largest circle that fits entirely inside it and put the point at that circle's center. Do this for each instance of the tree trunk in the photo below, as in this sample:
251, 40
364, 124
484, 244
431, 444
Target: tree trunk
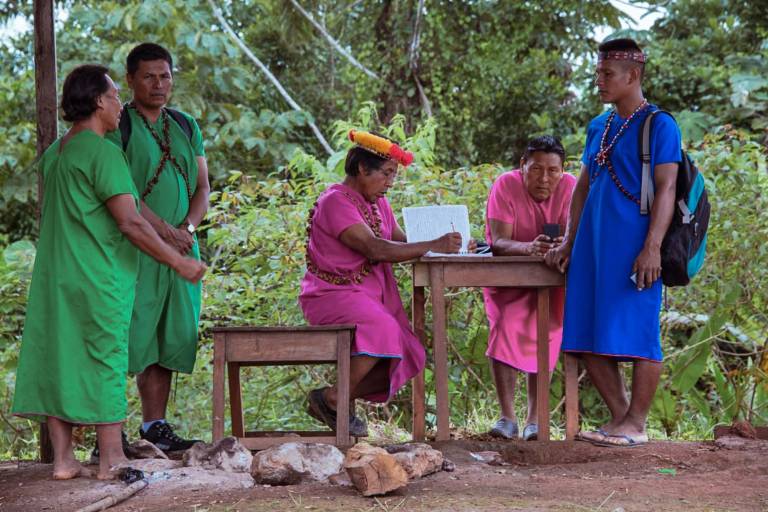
47, 127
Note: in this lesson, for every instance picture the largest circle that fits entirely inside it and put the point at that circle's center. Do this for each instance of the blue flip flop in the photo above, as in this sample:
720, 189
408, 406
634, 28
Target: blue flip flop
591, 436
622, 441
505, 429
531, 432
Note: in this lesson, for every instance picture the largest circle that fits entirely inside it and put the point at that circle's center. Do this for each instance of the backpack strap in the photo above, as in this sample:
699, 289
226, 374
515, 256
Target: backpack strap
182, 121
125, 124
646, 185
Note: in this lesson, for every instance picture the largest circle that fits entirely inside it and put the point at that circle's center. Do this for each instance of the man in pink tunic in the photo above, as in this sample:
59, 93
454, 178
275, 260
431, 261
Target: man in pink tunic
526, 211
353, 237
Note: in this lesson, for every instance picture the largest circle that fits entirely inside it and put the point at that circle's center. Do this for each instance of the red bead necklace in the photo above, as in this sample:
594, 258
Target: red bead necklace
372, 218
603, 156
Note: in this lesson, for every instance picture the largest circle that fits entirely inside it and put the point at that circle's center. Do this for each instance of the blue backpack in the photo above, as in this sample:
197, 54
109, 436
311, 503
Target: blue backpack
685, 244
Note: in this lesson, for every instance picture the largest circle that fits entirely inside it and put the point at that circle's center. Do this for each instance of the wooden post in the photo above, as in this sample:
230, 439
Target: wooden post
542, 363
47, 129
418, 390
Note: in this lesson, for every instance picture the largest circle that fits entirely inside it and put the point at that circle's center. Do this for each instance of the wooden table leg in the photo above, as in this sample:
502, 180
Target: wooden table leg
440, 342
219, 341
542, 359
571, 366
418, 390
235, 400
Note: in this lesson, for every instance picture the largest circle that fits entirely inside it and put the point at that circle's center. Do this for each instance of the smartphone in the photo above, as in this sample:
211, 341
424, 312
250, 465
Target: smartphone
552, 230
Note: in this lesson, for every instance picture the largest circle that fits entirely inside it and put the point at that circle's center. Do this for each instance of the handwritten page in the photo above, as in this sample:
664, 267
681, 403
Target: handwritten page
424, 223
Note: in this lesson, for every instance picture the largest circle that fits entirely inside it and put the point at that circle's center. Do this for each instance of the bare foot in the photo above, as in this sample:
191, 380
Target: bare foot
626, 429
68, 470
109, 467
107, 474
611, 426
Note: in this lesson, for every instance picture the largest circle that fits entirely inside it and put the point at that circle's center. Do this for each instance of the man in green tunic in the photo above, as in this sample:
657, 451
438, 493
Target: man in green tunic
165, 151
74, 353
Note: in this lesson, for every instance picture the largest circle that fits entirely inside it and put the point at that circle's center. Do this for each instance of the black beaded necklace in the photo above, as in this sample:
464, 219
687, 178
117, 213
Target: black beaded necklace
165, 148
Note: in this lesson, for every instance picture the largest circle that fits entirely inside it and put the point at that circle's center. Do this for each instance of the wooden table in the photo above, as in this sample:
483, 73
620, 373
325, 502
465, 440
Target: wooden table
440, 273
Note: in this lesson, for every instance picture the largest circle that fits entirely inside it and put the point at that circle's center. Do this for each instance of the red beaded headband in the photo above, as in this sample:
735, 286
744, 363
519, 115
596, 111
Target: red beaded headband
632, 55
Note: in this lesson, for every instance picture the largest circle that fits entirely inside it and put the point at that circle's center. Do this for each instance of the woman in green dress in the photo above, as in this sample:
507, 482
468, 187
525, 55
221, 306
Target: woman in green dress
74, 353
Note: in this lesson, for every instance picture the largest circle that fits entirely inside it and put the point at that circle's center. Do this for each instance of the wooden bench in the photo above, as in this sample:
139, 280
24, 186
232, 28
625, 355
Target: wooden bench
236, 347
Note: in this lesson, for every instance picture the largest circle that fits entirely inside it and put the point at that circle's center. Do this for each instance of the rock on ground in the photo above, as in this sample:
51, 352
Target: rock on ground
143, 449
374, 471
293, 463
734, 443
168, 476
228, 455
489, 457
417, 459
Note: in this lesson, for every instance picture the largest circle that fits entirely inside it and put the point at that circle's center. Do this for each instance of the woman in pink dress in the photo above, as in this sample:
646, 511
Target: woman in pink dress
353, 237
520, 204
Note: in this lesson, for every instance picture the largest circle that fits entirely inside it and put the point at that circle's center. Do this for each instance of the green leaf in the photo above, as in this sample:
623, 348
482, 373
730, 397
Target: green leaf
692, 369
20, 255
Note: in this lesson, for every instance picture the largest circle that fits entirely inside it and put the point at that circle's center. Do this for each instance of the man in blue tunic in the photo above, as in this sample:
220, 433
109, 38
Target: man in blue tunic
612, 251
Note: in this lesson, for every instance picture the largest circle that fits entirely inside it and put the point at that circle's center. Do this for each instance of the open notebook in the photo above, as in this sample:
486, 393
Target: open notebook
424, 223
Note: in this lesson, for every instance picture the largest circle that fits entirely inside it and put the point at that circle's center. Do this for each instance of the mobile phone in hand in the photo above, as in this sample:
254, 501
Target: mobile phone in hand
551, 230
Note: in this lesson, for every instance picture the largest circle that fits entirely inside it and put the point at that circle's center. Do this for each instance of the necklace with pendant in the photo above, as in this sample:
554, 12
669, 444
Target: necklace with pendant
605, 150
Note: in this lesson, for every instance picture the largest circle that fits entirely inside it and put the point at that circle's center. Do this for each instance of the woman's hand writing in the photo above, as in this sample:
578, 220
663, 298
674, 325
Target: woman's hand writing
448, 243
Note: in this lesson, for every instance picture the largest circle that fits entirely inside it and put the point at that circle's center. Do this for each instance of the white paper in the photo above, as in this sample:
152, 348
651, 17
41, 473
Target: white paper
423, 223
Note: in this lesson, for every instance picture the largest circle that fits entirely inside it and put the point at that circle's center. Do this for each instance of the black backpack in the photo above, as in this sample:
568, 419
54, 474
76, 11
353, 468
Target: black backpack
685, 244
125, 124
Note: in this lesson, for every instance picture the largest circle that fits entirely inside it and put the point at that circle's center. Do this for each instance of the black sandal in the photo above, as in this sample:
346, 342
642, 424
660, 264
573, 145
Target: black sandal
320, 410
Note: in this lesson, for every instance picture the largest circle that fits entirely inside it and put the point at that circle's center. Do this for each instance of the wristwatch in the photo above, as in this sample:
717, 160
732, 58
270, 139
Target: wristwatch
190, 228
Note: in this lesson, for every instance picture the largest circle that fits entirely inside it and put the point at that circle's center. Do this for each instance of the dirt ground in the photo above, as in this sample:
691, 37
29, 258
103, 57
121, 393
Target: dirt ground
560, 476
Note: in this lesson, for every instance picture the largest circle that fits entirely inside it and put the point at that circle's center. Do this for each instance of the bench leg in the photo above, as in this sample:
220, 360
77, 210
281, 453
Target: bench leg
235, 400
219, 342
343, 343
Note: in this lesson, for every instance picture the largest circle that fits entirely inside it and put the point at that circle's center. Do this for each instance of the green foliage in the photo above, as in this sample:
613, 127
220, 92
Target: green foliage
709, 57
15, 272
495, 74
714, 372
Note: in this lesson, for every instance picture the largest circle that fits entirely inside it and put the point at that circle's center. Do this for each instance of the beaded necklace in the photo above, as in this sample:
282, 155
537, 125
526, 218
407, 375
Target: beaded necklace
165, 148
372, 219
603, 155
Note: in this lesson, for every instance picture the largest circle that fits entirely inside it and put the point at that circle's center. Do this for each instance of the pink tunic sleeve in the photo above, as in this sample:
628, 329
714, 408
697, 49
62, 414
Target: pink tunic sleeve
336, 214
500, 205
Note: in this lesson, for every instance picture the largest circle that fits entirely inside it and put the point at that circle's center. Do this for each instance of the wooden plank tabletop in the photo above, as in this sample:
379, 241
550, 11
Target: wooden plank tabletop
283, 328
459, 258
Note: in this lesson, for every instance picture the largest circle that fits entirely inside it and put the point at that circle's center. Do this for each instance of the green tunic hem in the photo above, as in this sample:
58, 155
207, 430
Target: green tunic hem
177, 370
41, 417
